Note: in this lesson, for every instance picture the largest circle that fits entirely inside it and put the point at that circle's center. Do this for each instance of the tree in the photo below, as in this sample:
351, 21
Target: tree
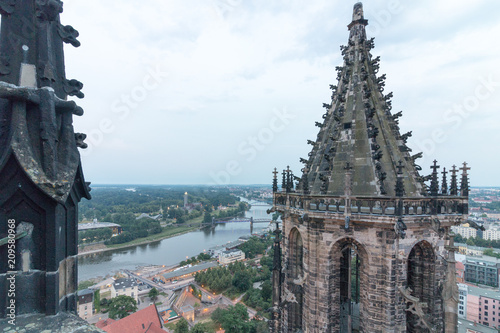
153, 294
121, 306
234, 319
182, 326
470, 242
242, 281
207, 218
267, 291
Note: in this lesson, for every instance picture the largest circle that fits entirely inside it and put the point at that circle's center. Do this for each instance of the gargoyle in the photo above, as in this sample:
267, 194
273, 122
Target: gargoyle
370, 44
418, 155
7, 6
405, 136
381, 78
370, 112
73, 88
474, 225
300, 280
68, 34
397, 115
79, 138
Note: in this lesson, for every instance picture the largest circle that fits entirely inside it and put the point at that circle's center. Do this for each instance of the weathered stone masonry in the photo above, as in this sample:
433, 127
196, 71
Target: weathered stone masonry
366, 244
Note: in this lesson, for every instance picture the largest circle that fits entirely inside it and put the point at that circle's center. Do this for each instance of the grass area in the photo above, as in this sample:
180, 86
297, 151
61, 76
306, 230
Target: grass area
166, 233
85, 284
106, 294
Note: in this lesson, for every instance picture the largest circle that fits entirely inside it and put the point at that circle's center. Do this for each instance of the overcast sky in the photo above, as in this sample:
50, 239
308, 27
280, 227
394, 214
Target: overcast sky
223, 91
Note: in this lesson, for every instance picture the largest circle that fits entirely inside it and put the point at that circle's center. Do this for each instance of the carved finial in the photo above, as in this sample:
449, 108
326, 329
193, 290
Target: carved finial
464, 184
357, 12
357, 16
434, 179
275, 180
454, 186
283, 181
444, 184
288, 179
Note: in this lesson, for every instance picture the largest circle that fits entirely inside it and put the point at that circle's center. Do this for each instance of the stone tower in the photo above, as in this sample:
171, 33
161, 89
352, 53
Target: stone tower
366, 245
41, 179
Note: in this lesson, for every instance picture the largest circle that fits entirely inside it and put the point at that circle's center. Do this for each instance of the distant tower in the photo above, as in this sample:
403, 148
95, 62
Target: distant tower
366, 244
41, 178
185, 199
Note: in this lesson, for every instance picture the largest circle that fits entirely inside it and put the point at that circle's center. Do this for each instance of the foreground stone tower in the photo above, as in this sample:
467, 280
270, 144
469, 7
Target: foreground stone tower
41, 179
366, 245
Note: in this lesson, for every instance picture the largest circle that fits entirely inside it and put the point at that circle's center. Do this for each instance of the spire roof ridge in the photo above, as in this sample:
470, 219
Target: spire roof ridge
359, 128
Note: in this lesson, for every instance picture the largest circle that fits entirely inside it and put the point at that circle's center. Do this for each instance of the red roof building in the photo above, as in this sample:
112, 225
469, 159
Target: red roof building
145, 320
103, 323
460, 267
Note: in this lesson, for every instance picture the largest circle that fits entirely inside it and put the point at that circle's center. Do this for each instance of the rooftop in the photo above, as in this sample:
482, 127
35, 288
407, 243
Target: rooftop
142, 321
483, 292
125, 283
465, 325
85, 292
189, 270
96, 225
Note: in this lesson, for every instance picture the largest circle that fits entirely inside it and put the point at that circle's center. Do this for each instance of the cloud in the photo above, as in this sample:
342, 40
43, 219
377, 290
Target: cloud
230, 63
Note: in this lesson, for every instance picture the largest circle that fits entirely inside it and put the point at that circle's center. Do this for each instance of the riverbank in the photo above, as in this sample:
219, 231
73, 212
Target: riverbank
136, 242
167, 232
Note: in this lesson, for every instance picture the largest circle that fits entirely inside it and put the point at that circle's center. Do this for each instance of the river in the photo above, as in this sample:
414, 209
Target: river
171, 250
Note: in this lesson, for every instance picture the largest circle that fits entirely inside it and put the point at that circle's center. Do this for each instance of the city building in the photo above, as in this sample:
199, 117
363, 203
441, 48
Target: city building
115, 228
125, 286
460, 268
365, 240
465, 231
491, 234
474, 251
462, 248
104, 287
85, 303
143, 321
186, 271
229, 256
483, 306
481, 271
462, 300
